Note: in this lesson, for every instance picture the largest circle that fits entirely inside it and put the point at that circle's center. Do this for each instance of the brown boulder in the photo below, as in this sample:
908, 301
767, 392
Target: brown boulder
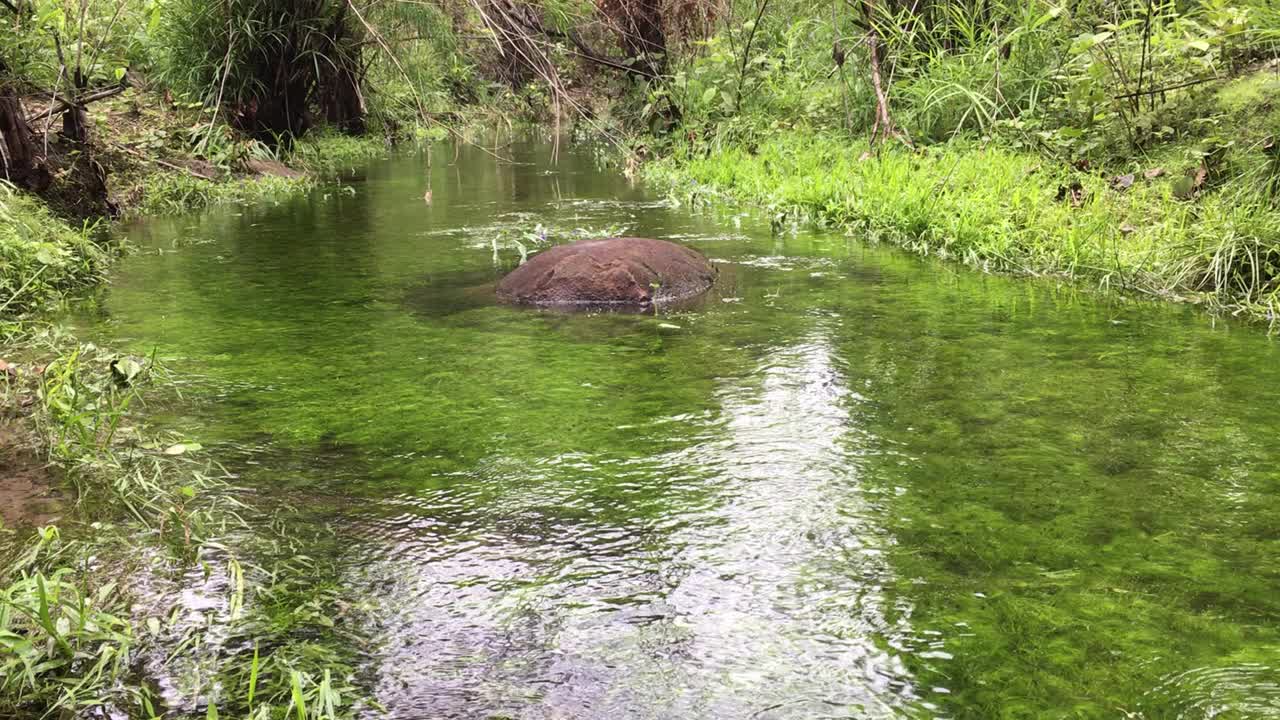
625, 272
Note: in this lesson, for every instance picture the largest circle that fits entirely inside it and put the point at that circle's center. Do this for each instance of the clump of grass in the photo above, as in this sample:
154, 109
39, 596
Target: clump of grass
63, 647
331, 153
174, 193
1233, 254
42, 257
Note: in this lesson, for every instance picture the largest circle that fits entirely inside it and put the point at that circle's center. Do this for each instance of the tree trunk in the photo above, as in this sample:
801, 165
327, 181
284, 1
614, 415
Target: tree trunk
516, 53
342, 101
339, 81
19, 153
75, 124
18, 159
883, 127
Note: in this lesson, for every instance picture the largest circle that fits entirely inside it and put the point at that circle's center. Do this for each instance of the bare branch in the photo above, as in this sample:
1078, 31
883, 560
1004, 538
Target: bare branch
61, 106
1166, 88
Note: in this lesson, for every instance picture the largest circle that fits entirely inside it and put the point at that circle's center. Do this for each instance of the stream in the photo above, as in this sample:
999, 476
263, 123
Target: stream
853, 483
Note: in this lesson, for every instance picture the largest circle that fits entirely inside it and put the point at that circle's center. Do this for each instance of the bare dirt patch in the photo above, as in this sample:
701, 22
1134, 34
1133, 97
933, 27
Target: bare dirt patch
28, 489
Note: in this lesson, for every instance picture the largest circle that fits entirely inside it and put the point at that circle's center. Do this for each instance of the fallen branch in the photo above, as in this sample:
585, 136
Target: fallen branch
64, 105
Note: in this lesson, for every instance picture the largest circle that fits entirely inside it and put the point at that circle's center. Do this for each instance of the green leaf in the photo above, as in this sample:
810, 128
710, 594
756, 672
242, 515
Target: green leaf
299, 702
253, 677
49, 255
126, 369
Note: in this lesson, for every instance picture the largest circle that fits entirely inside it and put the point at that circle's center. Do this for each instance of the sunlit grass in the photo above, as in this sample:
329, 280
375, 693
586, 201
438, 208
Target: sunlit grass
1008, 211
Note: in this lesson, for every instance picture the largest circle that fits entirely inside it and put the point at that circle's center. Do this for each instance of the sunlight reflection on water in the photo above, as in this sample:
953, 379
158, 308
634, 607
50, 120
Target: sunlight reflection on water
760, 596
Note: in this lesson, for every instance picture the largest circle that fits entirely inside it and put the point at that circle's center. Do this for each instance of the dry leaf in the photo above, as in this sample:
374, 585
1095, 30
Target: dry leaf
1202, 174
1153, 173
1122, 182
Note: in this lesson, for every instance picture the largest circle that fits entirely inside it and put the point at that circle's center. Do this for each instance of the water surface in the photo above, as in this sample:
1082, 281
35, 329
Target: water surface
854, 484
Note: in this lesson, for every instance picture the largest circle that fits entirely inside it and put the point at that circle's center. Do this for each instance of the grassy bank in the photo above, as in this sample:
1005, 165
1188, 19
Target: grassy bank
48, 257
1141, 225
44, 257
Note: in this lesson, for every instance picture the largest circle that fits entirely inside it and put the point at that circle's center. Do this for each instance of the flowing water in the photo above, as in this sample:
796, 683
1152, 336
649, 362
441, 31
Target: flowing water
853, 484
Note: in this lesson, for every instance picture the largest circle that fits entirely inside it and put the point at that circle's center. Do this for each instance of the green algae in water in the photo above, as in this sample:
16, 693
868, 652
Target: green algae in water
853, 484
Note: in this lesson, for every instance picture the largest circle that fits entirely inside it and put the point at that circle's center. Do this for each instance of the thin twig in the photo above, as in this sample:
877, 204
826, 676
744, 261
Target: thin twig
1166, 88
746, 52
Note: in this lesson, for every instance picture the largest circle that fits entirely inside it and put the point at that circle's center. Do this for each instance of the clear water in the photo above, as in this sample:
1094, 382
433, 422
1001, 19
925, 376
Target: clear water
854, 484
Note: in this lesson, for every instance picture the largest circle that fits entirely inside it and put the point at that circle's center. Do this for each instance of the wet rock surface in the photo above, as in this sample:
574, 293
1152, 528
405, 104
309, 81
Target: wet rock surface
611, 272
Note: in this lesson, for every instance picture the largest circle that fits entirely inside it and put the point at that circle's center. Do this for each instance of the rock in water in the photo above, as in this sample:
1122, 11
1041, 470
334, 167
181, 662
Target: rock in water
612, 272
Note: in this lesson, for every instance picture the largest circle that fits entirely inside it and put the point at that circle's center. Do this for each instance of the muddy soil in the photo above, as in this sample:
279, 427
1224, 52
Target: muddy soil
28, 488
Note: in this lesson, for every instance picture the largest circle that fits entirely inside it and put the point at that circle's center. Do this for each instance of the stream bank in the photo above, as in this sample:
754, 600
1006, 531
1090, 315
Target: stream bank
1193, 221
